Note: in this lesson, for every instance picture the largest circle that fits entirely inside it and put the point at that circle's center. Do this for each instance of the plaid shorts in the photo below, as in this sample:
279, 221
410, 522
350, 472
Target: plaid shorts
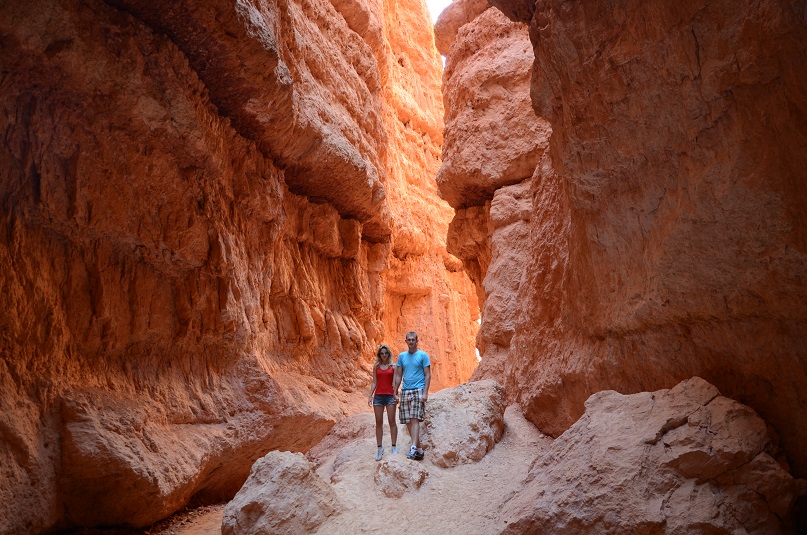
410, 406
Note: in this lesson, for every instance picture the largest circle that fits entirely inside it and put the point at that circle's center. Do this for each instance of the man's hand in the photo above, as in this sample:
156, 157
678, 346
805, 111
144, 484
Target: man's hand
425, 397
395, 397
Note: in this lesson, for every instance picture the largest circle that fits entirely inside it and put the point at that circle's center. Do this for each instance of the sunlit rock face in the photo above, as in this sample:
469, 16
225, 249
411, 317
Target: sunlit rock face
667, 236
211, 219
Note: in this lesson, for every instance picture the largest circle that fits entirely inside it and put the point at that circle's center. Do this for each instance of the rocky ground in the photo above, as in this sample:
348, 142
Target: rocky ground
653, 462
449, 501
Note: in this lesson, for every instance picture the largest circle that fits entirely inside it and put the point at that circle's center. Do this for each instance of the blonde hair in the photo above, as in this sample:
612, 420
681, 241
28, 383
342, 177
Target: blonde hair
378, 360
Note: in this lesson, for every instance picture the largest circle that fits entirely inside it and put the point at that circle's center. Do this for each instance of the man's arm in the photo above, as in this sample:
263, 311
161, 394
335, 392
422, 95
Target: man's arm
427, 372
396, 381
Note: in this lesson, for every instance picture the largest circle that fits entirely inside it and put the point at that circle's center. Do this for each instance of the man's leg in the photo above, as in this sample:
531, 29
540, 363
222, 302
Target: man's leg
414, 432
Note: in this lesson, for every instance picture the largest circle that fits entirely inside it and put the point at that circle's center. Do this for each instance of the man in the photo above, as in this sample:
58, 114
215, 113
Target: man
414, 368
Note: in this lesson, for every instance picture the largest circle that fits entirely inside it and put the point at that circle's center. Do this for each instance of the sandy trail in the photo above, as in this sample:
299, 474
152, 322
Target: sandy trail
460, 500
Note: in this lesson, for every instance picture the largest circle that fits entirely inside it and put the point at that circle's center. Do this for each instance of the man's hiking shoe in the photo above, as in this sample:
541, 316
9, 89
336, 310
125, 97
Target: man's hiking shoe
379, 453
412, 452
418, 455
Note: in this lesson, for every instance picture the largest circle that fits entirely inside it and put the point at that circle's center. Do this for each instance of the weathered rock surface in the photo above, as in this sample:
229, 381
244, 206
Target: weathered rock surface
394, 478
282, 496
667, 236
463, 423
456, 15
684, 460
486, 89
203, 240
374, 494
493, 138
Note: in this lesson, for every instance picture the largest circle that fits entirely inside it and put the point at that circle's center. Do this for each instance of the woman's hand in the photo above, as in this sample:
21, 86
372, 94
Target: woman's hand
370, 401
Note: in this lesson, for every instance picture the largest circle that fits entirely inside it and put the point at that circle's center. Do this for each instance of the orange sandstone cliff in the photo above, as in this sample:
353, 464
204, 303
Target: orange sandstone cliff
660, 231
211, 217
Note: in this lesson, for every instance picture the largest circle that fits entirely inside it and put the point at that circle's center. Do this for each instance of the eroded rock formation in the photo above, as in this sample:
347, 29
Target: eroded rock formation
212, 215
684, 460
678, 461
283, 495
666, 236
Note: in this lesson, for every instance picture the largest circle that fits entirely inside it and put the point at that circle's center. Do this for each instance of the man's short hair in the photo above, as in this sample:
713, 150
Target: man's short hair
412, 333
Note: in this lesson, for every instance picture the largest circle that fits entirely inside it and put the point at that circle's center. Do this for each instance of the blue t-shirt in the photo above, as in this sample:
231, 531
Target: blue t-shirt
413, 364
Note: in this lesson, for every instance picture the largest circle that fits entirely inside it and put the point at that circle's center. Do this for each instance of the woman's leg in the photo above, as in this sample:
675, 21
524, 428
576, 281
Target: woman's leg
393, 426
379, 423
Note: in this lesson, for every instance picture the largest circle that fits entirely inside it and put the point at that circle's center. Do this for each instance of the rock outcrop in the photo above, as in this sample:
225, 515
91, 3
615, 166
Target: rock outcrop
283, 495
678, 461
667, 231
395, 478
493, 144
463, 423
211, 217
685, 460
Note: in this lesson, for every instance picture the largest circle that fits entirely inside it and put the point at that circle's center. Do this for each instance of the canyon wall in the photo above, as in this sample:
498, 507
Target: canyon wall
660, 232
212, 216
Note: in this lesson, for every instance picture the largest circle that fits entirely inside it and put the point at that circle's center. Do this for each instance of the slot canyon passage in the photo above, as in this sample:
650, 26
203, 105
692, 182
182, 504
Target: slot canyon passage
214, 213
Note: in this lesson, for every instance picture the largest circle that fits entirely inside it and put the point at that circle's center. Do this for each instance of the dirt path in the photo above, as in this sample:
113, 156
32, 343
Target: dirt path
201, 521
460, 500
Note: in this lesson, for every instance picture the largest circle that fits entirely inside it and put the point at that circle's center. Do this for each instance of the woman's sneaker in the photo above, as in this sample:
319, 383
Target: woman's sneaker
379, 453
395, 450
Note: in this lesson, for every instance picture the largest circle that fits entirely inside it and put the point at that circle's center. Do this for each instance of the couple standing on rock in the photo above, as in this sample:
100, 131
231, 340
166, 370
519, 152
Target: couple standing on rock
414, 368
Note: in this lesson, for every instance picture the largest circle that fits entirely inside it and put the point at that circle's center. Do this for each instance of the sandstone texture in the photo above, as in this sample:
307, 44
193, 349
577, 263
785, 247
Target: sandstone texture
463, 423
282, 496
212, 215
493, 138
395, 478
678, 461
667, 233
427, 496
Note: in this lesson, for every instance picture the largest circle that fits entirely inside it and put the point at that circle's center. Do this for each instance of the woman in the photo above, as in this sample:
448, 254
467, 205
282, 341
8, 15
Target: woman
382, 397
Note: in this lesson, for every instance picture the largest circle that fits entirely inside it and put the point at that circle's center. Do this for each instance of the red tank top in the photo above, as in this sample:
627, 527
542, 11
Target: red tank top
384, 385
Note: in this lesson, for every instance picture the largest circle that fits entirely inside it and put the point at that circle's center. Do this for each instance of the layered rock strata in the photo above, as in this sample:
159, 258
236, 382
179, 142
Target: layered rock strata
667, 234
204, 239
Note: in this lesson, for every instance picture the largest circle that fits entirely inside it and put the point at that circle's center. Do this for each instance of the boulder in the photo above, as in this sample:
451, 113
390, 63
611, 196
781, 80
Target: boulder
678, 461
282, 496
463, 423
395, 478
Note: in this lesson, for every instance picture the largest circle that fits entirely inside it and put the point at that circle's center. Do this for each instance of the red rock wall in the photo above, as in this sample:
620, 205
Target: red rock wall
203, 240
667, 236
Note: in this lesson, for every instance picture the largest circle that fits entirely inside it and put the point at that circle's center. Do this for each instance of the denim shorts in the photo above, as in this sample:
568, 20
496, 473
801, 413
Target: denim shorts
383, 400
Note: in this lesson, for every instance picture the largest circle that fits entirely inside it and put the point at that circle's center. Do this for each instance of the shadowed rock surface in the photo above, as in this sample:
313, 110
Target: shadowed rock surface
667, 233
684, 460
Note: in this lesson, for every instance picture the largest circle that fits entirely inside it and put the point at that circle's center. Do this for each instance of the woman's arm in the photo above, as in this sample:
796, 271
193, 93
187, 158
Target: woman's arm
396, 381
372, 388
